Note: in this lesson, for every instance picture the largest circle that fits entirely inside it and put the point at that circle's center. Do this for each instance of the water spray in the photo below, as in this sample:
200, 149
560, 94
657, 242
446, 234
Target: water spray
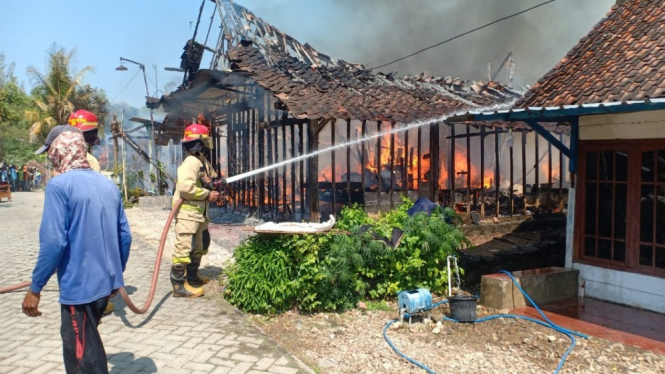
366, 138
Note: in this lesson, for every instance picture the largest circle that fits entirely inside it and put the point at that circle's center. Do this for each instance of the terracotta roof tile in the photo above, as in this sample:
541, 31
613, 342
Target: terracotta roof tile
622, 58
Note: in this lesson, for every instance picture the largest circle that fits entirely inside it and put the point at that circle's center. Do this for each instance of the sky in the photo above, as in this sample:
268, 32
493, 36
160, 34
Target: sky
153, 32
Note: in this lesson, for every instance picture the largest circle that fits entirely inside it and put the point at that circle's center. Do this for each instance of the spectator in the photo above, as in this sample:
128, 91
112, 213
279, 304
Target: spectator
3, 175
38, 179
13, 177
85, 235
19, 181
26, 178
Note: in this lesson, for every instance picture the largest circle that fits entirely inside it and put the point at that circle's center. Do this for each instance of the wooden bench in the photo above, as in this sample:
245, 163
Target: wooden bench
5, 192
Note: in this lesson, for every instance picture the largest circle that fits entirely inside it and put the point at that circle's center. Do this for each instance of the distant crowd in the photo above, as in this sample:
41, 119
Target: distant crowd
20, 178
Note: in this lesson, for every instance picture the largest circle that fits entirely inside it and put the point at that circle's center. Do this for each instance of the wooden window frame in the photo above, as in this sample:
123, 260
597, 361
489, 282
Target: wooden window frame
634, 184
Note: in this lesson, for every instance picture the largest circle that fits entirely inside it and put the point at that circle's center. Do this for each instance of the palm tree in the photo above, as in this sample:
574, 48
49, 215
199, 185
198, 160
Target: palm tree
54, 90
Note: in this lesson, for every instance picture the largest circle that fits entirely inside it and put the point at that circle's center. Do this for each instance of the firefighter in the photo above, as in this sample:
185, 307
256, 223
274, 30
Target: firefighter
192, 237
87, 122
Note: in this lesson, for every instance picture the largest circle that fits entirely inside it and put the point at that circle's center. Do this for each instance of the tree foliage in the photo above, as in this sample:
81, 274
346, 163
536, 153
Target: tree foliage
58, 90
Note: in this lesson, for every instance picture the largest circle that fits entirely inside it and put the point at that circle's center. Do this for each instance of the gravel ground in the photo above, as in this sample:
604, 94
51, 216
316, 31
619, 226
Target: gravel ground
352, 342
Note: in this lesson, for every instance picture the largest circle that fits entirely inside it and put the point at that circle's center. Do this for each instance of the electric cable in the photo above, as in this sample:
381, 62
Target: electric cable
123, 89
463, 34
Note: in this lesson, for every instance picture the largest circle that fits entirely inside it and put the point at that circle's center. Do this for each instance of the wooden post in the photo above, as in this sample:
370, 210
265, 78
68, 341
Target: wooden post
293, 169
334, 164
497, 171
378, 165
261, 192
482, 171
301, 151
348, 162
561, 176
285, 116
536, 186
451, 169
271, 173
434, 151
549, 178
313, 169
468, 169
406, 164
392, 164
524, 134
410, 162
253, 161
420, 158
363, 157
512, 206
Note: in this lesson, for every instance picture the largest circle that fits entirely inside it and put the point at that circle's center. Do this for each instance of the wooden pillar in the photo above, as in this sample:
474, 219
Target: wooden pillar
524, 134
549, 177
435, 161
512, 186
392, 164
348, 162
261, 188
406, 164
378, 165
536, 185
253, 160
497, 172
285, 115
313, 169
271, 173
293, 169
468, 169
561, 207
420, 158
482, 171
451, 168
301, 151
363, 157
334, 165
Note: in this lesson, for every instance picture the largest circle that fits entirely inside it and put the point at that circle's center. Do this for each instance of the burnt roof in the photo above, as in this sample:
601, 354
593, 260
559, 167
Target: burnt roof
621, 59
313, 85
354, 92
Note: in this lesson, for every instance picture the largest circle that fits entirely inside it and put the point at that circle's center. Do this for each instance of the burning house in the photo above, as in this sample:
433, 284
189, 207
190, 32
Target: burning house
268, 98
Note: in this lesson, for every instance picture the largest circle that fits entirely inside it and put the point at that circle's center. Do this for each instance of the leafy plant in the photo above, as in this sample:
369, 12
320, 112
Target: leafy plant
273, 273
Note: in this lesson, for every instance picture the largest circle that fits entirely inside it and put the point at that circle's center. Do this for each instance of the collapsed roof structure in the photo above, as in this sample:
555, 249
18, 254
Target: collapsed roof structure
261, 82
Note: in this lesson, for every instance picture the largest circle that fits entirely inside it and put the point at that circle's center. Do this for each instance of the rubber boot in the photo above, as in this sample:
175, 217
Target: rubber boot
181, 288
193, 277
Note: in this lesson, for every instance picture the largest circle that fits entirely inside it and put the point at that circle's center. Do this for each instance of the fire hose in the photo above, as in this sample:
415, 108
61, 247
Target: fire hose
123, 293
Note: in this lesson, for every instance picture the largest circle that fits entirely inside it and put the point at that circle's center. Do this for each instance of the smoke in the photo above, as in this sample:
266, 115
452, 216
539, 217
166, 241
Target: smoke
374, 32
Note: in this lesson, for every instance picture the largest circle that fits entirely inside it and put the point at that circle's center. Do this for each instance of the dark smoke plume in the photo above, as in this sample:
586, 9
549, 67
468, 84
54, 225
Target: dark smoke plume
374, 32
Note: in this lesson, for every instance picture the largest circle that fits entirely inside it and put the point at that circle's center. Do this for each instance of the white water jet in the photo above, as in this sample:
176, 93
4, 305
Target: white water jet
410, 126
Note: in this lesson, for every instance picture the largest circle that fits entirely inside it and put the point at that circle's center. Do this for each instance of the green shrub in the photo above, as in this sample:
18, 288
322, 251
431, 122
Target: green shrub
332, 271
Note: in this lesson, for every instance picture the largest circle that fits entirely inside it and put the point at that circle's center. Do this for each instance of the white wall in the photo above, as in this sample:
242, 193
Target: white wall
639, 125
621, 287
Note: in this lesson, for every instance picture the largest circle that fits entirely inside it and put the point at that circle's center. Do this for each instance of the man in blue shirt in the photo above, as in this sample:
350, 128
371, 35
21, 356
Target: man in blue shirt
85, 235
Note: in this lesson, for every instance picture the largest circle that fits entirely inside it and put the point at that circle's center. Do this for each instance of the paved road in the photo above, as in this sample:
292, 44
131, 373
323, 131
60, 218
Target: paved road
178, 336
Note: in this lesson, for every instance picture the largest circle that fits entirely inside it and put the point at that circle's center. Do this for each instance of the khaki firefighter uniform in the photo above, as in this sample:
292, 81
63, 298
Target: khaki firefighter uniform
192, 219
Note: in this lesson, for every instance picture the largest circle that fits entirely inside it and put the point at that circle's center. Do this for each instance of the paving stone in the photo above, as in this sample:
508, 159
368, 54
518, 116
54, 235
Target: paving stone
183, 336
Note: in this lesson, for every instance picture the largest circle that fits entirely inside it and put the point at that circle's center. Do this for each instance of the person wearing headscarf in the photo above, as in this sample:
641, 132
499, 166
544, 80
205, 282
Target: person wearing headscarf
84, 234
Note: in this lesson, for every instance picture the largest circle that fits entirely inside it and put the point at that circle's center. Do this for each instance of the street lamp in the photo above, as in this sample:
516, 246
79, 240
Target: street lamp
152, 121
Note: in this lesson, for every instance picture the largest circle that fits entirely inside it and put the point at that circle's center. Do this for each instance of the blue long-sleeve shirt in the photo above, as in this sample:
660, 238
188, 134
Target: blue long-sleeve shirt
85, 235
